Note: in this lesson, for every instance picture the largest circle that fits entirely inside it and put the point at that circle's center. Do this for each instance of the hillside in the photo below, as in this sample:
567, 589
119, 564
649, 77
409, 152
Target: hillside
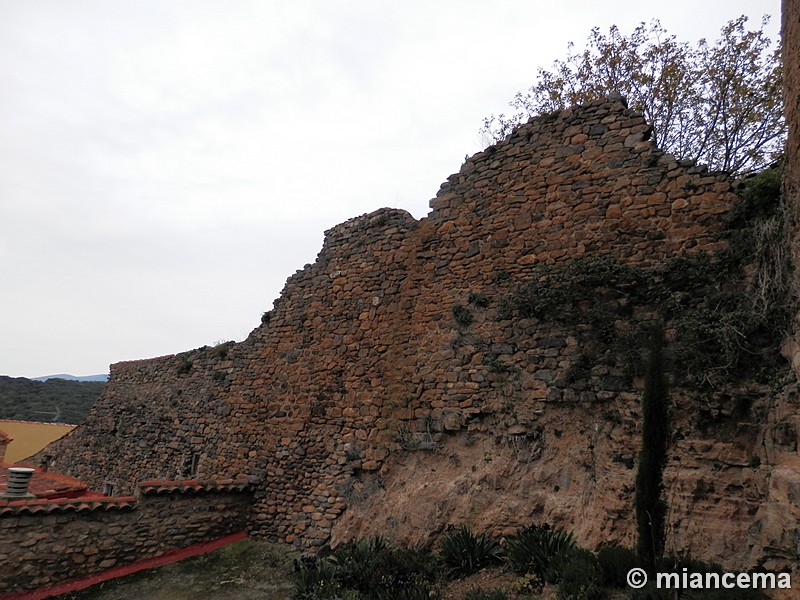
54, 400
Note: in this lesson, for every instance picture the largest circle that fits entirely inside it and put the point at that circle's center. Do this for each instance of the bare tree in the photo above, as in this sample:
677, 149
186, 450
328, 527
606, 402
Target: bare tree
718, 104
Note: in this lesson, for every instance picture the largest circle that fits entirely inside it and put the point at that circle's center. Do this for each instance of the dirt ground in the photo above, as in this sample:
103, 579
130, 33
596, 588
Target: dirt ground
246, 570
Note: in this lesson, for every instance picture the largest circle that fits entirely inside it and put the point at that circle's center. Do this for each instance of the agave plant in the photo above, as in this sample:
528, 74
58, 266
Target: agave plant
539, 549
464, 552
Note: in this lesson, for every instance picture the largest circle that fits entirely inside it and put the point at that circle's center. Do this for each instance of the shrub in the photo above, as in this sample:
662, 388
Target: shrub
527, 585
462, 315
480, 300
376, 571
464, 553
535, 549
581, 576
615, 561
221, 350
315, 579
184, 365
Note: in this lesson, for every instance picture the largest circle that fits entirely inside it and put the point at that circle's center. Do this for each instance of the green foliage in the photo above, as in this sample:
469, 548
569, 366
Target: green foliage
527, 584
316, 579
615, 561
722, 330
650, 592
651, 510
220, 351
54, 400
581, 576
759, 232
184, 365
462, 315
760, 196
718, 104
464, 552
538, 549
501, 277
368, 569
479, 300
479, 594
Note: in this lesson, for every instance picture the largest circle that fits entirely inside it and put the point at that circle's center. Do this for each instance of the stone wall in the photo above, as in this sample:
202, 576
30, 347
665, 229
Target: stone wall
44, 543
399, 340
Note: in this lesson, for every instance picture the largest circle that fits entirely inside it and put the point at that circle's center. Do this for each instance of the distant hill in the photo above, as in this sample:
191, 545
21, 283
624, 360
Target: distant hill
71, 377
56, 400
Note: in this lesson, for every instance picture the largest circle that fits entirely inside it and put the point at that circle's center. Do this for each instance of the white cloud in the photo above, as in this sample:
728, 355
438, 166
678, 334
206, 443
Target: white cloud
164, 166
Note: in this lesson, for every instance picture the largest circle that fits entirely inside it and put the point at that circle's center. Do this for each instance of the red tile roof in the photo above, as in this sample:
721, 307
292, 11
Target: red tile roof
60, 493
47, 484
193, 485
32, 507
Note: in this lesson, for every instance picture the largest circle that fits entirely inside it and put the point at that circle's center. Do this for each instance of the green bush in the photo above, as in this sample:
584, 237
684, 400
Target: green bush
464, 553
580, 576
527, 585
184, 365
615, 561
370, 567
462, 315
480, 300
315, 579
537, 549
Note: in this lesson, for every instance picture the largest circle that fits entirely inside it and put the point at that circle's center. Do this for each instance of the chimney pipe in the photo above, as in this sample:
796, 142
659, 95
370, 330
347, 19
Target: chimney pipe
18, 480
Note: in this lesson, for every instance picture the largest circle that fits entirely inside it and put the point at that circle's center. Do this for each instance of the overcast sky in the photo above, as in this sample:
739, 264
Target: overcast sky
166, 165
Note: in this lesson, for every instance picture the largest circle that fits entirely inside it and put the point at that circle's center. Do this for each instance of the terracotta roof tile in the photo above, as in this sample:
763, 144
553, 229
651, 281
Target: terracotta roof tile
47, 484
193, 485
32, 507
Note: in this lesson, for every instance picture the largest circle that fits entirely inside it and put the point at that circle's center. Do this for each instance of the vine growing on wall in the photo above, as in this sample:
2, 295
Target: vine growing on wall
725, 314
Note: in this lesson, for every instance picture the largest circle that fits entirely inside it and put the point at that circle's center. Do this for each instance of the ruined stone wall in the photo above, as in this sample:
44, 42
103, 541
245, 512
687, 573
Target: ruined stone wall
399, 340
44, 543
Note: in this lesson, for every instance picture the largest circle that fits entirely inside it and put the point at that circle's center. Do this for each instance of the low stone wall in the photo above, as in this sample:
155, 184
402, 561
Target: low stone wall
43, 543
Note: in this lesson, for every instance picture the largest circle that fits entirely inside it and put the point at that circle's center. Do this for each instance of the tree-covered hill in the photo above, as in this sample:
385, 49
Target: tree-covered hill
54, 400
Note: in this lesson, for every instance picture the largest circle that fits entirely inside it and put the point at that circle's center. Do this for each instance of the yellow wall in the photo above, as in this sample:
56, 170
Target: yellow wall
30, 437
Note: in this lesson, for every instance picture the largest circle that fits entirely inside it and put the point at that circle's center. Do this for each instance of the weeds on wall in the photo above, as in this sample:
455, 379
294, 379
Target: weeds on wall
462, 315
725, 314
184, 365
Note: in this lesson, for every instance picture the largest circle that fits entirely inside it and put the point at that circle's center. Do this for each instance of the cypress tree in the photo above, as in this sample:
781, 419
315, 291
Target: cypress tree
651, 510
